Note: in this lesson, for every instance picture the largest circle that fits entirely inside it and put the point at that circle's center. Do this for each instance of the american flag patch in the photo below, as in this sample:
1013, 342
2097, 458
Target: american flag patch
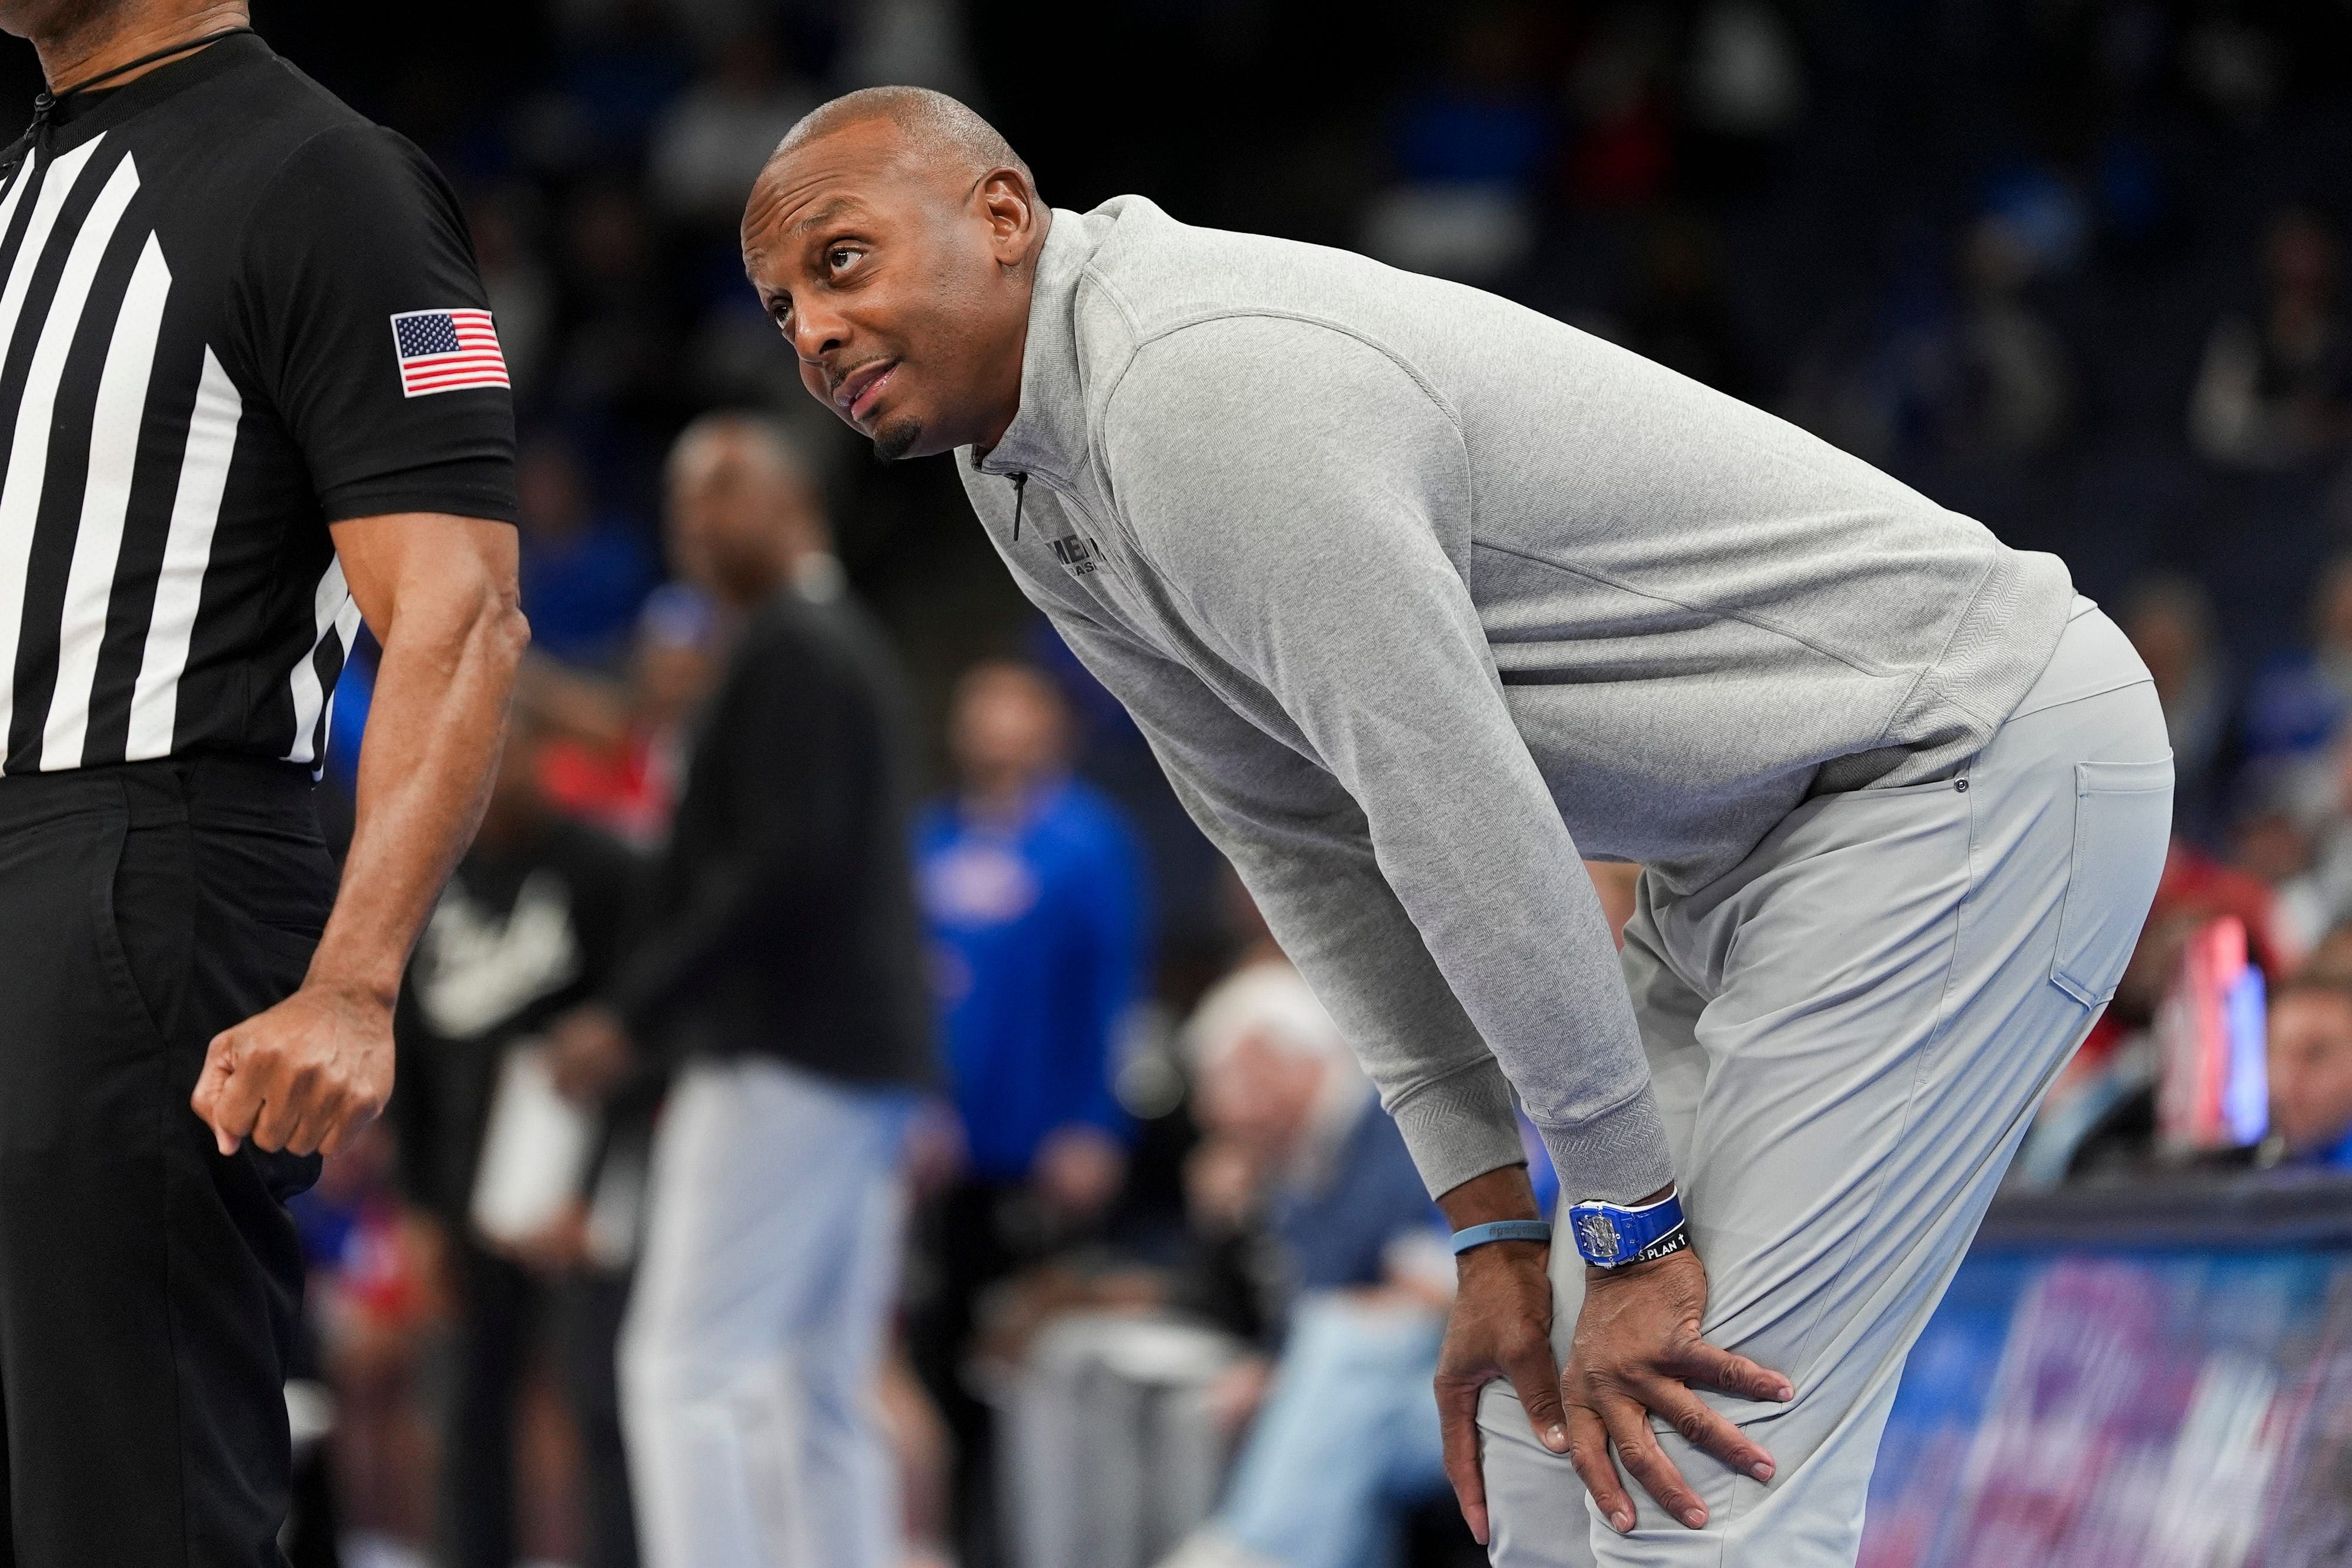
446, 351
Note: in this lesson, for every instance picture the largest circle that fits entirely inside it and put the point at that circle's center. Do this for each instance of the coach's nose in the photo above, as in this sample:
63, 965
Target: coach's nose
817, 331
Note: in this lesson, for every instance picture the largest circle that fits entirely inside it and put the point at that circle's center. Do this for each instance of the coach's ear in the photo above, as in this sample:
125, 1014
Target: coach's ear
1016, 219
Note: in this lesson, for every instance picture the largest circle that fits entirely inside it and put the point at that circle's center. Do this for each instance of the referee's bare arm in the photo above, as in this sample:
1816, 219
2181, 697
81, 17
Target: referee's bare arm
440, 594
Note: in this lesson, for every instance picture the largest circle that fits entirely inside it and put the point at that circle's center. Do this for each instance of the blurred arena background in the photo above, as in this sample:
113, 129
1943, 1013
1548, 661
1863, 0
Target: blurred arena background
2075, 268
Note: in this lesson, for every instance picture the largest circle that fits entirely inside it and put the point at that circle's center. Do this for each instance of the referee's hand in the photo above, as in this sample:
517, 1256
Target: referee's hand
302, 1077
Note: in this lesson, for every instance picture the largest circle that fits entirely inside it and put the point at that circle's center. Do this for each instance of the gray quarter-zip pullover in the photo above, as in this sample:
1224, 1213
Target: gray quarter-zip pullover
1419, 596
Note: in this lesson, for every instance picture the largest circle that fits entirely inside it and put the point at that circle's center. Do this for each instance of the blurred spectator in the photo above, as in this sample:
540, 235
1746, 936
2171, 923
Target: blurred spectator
710, 143
1032, 883
1939, 377
584, 571
1119, 1418
619, 758
2169, 620
1034, 891
1468, 148
374, 1296
781, 974
2015, 391
531, 923
2277, 391
2311, 1072
2298, 705
1346, 1438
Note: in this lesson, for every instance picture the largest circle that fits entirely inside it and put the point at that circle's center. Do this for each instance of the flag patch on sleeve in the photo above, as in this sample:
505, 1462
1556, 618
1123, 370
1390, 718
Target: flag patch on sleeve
446, 351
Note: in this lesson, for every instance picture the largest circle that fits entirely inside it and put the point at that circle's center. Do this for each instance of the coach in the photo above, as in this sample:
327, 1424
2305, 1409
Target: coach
1419, 595
248, 395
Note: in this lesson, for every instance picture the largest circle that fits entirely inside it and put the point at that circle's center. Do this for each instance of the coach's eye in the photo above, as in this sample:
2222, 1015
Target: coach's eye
841, 257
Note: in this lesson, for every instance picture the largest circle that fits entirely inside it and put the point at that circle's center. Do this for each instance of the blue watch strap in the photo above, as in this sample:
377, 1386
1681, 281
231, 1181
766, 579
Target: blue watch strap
1501, 1230
1610, 1235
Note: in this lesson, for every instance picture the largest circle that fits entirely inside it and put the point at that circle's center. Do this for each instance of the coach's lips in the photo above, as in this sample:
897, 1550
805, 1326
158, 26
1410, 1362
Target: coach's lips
856, 394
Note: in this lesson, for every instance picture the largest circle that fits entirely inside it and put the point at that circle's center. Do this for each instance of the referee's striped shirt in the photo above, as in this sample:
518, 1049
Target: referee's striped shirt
232, 313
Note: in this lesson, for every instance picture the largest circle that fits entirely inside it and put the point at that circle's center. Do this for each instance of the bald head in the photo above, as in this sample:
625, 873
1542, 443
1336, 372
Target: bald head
893, 238
938, 132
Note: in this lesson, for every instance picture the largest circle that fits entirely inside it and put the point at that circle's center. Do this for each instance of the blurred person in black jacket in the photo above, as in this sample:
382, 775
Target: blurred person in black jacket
533, 922
782, 977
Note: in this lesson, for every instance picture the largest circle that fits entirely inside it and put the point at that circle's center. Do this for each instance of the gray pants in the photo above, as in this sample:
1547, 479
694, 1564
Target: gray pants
1848, 1033
1112, 1455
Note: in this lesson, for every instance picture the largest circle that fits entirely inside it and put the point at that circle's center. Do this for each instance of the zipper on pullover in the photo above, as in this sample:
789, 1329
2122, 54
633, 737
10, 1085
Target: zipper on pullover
1020, 494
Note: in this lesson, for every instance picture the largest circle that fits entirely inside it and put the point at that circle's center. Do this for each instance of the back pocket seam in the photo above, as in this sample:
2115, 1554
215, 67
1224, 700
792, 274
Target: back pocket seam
2096, 779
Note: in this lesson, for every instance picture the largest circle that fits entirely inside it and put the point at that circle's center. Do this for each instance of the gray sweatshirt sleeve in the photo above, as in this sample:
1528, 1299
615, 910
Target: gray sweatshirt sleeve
1297, 492
1300, 845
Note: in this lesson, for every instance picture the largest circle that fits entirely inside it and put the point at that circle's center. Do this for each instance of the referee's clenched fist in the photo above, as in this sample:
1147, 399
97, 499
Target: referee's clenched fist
256, 397
301, 1076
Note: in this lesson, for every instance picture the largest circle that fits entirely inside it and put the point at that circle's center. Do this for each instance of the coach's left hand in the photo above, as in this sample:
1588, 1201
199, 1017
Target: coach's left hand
301, 1076
1637, 1352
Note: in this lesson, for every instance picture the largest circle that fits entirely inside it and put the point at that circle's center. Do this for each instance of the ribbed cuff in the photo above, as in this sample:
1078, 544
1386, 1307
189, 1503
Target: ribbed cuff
1618, 1156
1461, 1126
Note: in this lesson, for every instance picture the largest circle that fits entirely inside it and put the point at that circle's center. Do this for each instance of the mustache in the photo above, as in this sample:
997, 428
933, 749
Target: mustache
835, 375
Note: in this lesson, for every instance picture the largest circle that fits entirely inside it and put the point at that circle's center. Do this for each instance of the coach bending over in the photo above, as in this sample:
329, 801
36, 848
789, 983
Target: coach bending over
1418, 595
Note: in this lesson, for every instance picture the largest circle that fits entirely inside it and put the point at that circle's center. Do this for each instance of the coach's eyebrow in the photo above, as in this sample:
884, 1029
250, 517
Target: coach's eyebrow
833, 209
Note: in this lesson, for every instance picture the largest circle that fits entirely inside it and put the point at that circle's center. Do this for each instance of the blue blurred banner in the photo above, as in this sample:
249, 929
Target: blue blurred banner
2154, 1378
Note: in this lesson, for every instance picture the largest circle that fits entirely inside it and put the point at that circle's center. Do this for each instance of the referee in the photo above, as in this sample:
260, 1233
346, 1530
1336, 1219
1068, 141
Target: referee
248, 396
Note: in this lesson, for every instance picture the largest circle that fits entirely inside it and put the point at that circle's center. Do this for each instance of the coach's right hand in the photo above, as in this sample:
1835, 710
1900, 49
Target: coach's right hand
1638, 1354
301, 1076
1500, 1327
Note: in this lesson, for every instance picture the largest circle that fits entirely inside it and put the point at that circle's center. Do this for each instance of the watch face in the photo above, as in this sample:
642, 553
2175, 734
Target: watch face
1597, 1235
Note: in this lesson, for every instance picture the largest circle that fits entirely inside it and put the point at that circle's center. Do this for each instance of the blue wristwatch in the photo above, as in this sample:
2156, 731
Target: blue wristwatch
1610, 1235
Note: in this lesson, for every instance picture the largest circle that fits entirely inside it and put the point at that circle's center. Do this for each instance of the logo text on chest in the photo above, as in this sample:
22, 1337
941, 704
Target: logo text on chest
1078, 555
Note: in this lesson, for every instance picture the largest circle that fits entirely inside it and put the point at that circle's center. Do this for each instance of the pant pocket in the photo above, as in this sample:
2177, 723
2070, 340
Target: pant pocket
2122, 822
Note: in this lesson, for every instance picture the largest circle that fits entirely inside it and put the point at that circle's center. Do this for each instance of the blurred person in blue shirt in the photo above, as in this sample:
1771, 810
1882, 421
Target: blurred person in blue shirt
583, 573
2311, 1072
1033, 892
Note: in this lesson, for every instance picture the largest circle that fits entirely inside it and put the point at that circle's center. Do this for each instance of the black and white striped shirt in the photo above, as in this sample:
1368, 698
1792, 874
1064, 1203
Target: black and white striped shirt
199, 372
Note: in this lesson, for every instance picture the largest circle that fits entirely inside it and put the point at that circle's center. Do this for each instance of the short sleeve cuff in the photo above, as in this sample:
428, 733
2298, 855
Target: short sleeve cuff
1461, 1126
460, 488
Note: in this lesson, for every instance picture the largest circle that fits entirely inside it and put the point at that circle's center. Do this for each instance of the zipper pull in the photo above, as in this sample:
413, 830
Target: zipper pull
44, 105
1020, 494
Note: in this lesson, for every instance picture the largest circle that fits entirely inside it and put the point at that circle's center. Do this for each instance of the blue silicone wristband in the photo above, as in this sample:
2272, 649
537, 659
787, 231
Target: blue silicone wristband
1501, 1230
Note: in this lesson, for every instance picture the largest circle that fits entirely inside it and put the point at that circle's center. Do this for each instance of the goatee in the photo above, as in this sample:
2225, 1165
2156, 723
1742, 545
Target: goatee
894, 441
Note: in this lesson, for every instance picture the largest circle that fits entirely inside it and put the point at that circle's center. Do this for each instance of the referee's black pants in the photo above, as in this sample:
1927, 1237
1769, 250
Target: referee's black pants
148, 1286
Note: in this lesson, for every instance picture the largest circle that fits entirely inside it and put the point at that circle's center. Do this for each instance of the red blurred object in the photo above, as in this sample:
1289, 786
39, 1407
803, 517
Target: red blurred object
1623, 160
2194, 883
2210, 1033
630, 790
2195, 886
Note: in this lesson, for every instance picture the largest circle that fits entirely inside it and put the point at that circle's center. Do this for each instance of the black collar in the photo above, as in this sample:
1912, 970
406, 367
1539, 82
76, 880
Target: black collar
88, 111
